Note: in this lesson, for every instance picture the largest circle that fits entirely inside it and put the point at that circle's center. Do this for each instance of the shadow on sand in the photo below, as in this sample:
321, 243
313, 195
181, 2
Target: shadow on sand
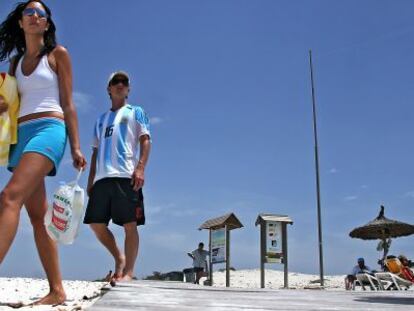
388, 300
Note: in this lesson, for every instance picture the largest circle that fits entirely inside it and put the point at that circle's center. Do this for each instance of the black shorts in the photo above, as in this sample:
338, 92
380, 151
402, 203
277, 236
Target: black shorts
114, 198
198, 269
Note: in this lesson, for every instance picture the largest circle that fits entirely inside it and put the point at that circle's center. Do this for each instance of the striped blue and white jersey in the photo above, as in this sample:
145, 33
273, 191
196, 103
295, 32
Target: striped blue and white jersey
116, 136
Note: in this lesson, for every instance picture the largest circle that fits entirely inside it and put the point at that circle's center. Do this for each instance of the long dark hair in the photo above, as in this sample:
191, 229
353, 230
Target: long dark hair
12, 36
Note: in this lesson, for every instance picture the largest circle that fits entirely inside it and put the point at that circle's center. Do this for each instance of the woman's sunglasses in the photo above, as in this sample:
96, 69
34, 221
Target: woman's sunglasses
117, 80
32, 11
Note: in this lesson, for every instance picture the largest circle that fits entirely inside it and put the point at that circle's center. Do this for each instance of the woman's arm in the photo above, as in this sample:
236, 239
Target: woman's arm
64, 72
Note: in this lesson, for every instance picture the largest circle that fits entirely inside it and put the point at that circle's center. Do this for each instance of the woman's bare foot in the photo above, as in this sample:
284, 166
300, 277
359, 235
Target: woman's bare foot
53, 298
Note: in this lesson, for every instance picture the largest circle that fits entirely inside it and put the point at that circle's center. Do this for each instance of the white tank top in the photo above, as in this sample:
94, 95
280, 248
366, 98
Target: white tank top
39, 91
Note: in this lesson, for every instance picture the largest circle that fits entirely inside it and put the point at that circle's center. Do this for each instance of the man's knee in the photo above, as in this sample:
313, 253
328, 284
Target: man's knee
98, 228
131, 228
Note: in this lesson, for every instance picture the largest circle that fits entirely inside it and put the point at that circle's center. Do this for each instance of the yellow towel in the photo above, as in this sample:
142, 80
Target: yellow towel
8, 119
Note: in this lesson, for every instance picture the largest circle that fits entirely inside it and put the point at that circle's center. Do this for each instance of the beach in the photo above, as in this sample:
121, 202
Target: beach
83, 294
80, 294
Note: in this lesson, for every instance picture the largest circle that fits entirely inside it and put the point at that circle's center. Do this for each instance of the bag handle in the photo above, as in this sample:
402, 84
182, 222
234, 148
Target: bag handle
78, 176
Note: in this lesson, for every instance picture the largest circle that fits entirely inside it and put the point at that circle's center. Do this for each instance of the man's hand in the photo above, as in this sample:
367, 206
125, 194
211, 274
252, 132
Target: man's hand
3, 105
137, 178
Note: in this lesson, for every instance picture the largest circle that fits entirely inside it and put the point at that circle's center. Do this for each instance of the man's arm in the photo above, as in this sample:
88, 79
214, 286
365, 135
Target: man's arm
92, 170
138, 176
355, 270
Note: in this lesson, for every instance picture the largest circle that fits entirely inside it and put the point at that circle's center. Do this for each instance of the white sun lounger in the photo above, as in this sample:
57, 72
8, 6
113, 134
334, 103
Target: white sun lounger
393, 279
363, 279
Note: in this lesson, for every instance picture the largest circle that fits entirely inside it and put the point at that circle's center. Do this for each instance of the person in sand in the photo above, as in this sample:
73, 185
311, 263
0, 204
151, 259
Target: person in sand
116, 175
46, 118
406, 271
199, 256
359, 268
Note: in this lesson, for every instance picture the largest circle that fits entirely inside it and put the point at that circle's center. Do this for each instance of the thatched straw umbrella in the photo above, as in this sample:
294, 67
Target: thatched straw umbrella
382, 228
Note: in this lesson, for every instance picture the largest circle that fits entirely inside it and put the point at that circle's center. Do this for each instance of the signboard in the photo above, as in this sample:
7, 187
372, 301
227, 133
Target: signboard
218, 245
273, 242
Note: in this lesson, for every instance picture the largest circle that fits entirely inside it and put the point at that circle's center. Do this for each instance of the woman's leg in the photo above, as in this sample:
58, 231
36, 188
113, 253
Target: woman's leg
36, 207
30, 171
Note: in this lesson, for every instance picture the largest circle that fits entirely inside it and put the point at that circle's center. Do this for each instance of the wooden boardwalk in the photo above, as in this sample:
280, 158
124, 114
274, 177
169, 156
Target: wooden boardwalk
159, 296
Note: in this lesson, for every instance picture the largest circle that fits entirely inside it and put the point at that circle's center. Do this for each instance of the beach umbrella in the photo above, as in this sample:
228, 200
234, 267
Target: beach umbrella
382, 228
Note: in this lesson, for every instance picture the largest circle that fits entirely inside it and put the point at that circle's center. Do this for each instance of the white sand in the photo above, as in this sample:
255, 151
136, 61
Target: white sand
80, 294
274, 279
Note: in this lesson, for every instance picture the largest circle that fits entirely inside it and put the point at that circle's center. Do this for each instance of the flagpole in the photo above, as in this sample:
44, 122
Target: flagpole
315, 134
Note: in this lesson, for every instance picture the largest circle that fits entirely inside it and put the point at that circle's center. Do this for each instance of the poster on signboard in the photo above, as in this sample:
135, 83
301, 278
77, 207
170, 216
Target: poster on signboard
273, 242
218, 245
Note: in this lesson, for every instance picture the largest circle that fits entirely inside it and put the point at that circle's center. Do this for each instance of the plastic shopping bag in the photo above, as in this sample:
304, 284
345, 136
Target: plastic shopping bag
63, 218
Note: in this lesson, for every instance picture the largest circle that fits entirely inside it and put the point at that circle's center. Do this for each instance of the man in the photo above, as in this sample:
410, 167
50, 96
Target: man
199, 261
116, 175
359, 268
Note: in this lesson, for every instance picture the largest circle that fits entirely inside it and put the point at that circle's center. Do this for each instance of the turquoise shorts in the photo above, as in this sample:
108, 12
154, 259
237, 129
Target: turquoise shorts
46, 136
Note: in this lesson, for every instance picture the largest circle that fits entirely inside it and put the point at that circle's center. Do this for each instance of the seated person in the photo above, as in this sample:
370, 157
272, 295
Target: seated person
359, 268
406, 272
391, 264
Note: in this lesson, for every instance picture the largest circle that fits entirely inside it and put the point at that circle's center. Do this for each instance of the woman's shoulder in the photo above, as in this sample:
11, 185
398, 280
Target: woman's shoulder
14, 60
59, 51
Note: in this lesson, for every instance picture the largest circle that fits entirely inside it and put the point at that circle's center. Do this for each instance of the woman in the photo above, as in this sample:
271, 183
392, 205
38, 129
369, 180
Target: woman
406, 271
44, 78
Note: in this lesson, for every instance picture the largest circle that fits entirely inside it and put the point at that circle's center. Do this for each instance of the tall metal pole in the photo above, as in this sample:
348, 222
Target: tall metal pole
317, 173
210, 260
262, 253
227, 257
285, 254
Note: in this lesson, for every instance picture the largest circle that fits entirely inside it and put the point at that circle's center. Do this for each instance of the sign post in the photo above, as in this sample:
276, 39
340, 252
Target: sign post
273, 243
219, 241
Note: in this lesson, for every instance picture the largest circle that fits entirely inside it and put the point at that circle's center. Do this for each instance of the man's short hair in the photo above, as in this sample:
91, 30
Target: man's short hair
360, 259
200, 244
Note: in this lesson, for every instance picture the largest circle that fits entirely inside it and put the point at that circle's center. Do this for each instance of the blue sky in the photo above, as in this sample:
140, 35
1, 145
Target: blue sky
226, 84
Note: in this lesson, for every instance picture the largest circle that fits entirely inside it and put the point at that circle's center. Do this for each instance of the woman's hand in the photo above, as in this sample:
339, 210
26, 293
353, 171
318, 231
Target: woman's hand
79, 161
3, 105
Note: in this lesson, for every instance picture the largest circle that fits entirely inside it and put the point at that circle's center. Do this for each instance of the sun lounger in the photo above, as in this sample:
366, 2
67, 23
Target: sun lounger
365, 279
394, 275
395, 280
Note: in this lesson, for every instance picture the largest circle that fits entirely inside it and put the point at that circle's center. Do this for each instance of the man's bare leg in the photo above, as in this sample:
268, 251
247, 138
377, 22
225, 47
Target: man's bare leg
106, 237
131, 249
